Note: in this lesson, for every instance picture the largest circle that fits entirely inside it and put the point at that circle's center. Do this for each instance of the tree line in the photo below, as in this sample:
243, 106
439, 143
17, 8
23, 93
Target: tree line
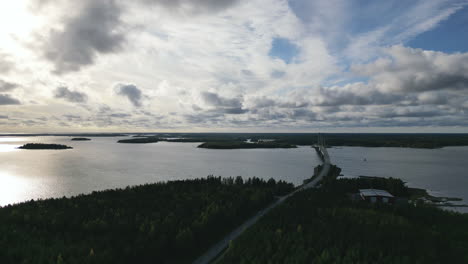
171, 222
325, 226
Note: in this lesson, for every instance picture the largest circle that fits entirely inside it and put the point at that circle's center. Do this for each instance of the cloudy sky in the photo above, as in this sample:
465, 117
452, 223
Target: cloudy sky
234, 65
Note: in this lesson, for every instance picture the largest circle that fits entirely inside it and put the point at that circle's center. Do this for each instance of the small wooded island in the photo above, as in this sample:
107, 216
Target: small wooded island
80, 139
139, 140
44, 146
245, 145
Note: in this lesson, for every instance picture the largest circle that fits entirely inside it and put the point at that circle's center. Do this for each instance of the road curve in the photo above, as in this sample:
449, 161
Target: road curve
216, 249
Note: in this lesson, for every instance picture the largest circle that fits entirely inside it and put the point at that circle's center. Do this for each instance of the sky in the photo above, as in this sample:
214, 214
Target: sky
233, 66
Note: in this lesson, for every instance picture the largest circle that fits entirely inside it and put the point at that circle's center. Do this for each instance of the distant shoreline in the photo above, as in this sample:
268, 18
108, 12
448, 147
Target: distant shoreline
400, 140
139, 140
244, 145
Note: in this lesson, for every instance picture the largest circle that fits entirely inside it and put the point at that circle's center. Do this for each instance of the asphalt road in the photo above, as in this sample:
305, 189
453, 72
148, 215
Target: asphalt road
216, 249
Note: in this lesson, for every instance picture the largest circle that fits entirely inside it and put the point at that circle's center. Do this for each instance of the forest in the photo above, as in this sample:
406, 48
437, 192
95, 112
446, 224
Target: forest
139, 140
171, 222
332, 139
373, 139
406, 140
44, 146
244, 145
398, 140
326, 226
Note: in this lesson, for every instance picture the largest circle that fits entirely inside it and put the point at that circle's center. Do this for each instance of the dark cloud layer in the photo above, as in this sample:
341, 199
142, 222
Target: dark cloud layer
7, 86
71, 96
131, 92
5, 64
416, 70
193, 6
336, 96
96, 28
120, 115
93, 30
232, 111
6, 99
216, 100
265, 102
222, 104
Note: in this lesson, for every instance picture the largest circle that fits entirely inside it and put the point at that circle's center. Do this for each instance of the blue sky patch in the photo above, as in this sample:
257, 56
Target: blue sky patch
283, 49
449, 36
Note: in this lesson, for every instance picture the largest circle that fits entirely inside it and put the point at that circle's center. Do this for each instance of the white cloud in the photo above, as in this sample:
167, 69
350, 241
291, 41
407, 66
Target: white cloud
411, 70
205, 65
91, 30
71, 96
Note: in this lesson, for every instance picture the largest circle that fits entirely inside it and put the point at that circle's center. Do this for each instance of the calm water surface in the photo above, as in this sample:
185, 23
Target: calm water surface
102, 164
443, 172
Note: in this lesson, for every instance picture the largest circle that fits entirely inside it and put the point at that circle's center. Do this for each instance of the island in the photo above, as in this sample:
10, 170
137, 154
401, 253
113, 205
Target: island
245, 145
80, 139
139, 140
44, 146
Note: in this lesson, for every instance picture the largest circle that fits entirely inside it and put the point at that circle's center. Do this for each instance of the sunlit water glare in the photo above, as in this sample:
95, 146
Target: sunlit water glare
102, 164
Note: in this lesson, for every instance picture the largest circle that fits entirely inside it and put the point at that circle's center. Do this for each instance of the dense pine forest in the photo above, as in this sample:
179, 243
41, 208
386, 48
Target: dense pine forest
326, 226
170, 222
177, 221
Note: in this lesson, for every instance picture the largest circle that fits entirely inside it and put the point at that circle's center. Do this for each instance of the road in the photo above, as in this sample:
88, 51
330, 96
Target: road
216, 250
323, 172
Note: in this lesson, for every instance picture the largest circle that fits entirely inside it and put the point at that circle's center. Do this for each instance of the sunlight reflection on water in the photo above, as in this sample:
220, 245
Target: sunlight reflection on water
102, 163
12, 188
11, 139
7, 148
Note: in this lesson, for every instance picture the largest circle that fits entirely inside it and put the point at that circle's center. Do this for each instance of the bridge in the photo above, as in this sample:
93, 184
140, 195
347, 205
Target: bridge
218, 248
321, 149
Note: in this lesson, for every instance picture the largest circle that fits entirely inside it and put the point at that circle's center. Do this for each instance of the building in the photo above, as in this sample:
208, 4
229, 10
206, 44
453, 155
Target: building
374, 196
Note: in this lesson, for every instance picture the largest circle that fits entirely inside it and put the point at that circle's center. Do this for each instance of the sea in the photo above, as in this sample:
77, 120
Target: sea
102, 163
